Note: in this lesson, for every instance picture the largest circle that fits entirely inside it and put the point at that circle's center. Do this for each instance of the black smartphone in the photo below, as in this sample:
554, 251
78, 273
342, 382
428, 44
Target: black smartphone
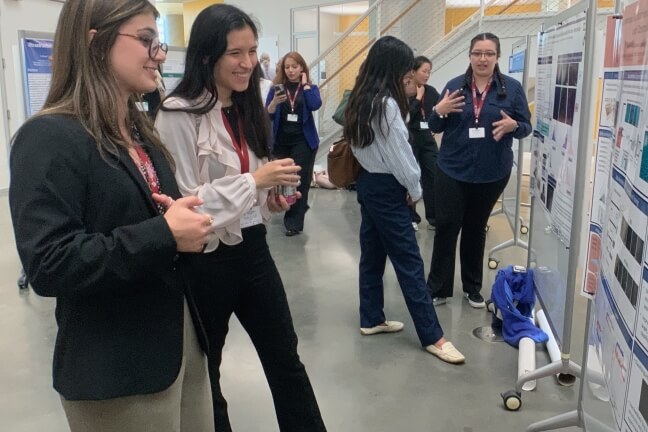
279, 89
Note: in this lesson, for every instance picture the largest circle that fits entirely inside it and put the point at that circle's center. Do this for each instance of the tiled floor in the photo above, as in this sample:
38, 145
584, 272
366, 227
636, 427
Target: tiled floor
383, 383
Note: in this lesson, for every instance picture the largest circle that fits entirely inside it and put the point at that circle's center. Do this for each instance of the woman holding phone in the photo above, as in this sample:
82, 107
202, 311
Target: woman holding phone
216, 128
291, 103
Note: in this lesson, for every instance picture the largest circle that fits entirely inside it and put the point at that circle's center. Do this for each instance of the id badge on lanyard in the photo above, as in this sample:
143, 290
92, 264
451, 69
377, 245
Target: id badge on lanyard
423, 125
292, 99
477, 132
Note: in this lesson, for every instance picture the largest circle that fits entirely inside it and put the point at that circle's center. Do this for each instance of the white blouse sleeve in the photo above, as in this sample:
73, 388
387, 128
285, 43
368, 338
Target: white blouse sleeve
197, 156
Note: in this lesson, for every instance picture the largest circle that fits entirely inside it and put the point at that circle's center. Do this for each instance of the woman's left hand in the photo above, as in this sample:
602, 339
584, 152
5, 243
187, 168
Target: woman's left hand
504, 126
277, 202
304, 79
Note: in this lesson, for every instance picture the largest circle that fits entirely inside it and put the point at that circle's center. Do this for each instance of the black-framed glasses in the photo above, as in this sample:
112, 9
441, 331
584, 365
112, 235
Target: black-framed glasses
480, 54
153, 43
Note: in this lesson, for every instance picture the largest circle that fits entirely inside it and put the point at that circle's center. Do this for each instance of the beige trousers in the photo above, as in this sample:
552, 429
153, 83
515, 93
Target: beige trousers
186, 406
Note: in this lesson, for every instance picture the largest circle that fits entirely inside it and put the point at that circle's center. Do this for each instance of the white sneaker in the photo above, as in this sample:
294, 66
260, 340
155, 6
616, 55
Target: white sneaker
415, 226
438, 301
386, 327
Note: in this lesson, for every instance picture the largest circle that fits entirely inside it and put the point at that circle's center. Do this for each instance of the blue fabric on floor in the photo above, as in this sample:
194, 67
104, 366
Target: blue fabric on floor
514, 297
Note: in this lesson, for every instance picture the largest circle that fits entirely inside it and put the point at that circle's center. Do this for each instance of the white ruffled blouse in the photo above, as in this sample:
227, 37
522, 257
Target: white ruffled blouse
208, 166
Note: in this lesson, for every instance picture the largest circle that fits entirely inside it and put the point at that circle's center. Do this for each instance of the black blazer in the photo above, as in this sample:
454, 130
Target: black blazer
88, 233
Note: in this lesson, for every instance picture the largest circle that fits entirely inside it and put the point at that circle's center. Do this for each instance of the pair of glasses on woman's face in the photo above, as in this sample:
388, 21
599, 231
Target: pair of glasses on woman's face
151, 42
480, 54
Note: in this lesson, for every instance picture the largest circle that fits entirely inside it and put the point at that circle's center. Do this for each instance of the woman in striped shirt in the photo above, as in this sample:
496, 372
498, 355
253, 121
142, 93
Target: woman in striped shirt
388, 181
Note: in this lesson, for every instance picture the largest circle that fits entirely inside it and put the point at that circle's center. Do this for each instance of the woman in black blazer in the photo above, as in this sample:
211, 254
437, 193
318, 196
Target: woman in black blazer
84, 174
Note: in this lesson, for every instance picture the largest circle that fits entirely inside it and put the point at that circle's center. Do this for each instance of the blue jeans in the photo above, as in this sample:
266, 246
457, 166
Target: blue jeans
386, 230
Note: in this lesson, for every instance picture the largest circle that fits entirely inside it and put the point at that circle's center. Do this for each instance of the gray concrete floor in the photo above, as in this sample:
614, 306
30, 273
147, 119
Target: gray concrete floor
382, 383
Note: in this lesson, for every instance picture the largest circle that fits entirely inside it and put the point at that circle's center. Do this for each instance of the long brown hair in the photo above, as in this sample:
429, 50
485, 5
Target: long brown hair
281, 77
83, 84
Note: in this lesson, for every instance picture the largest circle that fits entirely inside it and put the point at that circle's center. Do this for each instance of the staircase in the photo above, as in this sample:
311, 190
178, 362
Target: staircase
422, 25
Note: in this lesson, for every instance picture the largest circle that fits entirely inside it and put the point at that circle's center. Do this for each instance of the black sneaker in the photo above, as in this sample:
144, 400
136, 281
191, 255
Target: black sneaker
475, 300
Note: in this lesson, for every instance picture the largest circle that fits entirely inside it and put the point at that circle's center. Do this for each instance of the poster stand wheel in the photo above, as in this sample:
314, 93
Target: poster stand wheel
492, 263
524, 229
512, 400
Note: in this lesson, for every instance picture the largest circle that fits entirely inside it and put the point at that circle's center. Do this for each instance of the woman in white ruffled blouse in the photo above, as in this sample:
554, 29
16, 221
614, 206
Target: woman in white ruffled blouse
217, 131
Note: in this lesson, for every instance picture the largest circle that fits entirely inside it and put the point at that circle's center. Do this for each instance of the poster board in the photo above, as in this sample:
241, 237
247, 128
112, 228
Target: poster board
36, 68
618, 342
559, 89
173, 68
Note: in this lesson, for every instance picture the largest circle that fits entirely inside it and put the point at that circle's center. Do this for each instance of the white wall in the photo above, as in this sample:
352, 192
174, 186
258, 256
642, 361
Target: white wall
274, 17
329, 30
29, 15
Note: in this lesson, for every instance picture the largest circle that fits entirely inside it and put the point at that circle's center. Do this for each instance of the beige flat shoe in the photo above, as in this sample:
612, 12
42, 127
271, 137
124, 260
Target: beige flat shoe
387, 327
448, 353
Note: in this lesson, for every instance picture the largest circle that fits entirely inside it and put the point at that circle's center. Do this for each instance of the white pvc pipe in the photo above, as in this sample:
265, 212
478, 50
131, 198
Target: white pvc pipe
526, 361
554, 351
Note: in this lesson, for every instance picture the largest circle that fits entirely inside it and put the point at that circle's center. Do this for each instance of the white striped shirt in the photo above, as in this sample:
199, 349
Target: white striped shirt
391, 153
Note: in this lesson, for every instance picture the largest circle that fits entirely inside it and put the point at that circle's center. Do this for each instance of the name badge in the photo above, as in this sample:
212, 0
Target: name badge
424, 126
294, 118
251, 217
477, 132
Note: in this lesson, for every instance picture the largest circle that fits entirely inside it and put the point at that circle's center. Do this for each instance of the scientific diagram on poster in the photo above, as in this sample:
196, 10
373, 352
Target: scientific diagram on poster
559, 84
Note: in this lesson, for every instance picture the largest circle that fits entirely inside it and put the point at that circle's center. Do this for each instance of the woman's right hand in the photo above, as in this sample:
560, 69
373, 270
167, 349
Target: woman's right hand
190, 229
278, 99
277, 172
451, 103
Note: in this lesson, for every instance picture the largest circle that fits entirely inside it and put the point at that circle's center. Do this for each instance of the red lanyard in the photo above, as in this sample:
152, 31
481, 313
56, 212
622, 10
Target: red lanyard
147, 169
478, 105
292, 99
423, 108
240, 148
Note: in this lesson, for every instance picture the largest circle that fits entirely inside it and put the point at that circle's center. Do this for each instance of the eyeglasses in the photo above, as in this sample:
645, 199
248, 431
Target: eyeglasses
152, 43
480, 54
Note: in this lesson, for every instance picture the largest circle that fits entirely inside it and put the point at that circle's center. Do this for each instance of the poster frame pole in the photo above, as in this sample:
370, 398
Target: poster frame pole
516, 223
565, 365
574, 418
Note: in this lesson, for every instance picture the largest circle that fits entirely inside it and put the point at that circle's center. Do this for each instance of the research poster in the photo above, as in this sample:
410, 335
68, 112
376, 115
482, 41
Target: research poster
617, 263
37, 70
173, 68
608, 113
559, 84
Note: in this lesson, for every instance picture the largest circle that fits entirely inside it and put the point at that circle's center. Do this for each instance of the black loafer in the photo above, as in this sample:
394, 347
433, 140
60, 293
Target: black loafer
290, 233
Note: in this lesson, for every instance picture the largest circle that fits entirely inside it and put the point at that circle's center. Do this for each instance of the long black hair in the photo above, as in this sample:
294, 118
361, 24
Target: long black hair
497, 74
381, 75
207, 44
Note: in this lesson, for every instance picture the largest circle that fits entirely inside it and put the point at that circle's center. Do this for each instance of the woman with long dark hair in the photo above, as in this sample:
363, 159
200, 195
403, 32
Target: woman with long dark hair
388, 181
480, 113
84, 174
422, 97
215, 126
293, 128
